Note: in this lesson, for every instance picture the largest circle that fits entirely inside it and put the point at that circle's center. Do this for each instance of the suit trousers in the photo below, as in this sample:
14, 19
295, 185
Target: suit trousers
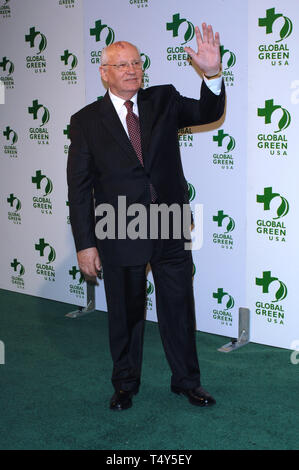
125, 288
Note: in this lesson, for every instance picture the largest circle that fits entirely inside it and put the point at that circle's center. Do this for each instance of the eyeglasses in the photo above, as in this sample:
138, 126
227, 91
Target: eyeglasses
136, 64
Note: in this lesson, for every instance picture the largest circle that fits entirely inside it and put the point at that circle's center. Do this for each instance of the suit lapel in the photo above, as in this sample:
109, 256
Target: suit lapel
146, 122
114, 126
111, 121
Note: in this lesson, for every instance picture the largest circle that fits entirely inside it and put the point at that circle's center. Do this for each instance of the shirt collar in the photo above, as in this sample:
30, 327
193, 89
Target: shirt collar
119, 102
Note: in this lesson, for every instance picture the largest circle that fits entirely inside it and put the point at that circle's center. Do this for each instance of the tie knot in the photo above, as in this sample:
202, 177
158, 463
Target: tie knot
129, 105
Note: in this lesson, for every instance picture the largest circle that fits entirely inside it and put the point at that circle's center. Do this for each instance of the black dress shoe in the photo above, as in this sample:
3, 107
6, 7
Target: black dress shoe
196, 396
121, 400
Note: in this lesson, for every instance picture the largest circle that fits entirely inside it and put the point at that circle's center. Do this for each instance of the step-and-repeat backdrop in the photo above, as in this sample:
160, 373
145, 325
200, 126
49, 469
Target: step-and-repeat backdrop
241, 171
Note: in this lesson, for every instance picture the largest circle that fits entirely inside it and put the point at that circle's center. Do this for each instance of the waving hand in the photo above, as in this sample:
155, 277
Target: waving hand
207, 57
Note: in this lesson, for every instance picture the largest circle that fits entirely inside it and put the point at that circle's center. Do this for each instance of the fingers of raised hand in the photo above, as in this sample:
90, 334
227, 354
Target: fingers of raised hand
217, 39
198, 35
207, 35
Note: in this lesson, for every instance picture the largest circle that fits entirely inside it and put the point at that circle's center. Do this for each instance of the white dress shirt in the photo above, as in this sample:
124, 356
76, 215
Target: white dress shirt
119, 105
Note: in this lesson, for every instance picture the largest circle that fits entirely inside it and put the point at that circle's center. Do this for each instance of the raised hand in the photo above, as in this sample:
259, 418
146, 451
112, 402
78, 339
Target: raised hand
207, 57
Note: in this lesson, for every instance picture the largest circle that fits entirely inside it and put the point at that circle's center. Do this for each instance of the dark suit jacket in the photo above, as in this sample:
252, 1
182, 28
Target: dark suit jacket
103, 165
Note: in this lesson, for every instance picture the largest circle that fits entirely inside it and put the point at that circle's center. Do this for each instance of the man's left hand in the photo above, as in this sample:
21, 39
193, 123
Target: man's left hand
207, 57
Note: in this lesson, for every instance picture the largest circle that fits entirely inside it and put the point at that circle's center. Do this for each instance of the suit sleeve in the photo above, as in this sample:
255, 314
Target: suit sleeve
80, 177
209, 108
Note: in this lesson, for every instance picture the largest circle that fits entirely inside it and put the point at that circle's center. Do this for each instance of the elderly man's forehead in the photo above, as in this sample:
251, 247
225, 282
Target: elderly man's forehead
119, 47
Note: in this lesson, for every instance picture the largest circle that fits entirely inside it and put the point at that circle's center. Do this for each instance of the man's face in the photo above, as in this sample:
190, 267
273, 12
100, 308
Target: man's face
122, 83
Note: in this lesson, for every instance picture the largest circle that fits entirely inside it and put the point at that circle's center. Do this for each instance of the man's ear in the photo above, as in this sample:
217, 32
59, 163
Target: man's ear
103, 73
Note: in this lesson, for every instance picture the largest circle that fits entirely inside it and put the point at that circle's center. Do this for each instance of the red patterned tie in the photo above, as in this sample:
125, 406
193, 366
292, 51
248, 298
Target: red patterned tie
135, 137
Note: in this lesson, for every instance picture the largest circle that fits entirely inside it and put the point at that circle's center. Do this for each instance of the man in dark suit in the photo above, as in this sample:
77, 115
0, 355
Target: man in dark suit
126, 145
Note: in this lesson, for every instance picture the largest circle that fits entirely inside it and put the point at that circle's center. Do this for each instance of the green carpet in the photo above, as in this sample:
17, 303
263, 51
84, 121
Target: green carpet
55, 389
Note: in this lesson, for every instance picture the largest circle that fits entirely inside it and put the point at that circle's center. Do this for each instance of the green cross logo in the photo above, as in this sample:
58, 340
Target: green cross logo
219, 138
7, 65
41, 246
191, 192
65, 59
66, 131
270, 19
266, 199
8, 131
15, 264
220, 294
269, 109
97, 31
31, 39
231, 57
265, 283
74, 271
175, 25
38, 178
34, 109
219, 218
14, 201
